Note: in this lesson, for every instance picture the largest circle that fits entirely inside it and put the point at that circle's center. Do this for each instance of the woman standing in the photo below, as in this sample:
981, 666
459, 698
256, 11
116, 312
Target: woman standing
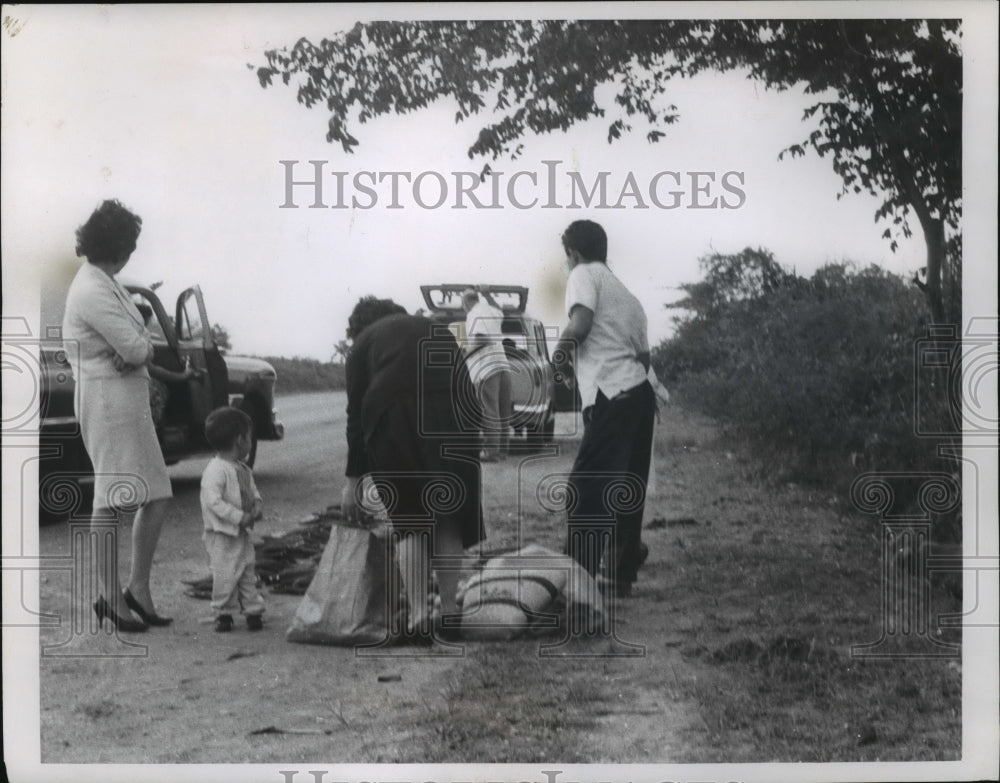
130, 476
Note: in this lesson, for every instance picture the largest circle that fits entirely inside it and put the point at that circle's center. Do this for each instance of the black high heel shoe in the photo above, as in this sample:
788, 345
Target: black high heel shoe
103, 610
148, 617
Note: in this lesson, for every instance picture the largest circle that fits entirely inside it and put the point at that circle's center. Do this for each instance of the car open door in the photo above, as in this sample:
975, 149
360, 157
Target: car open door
197, 347
161, 329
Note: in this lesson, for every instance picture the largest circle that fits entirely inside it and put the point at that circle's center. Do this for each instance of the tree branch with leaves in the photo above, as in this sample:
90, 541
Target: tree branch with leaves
888, 112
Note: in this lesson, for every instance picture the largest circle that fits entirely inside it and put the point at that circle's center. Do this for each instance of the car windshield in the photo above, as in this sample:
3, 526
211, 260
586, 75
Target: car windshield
152, 321
504, 300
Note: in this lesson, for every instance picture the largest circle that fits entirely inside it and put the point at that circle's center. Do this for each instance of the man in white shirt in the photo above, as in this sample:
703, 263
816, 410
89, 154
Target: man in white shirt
490, 372
606, 342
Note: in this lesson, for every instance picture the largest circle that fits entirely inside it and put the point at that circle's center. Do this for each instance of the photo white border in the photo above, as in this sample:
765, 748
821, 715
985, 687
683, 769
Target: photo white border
981, 651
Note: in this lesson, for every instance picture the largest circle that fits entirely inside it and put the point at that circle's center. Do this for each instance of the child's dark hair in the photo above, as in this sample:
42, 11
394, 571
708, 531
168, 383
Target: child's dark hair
224, 425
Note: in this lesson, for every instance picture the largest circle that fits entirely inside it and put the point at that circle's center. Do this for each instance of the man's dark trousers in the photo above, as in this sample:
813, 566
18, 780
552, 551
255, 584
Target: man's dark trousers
608, 482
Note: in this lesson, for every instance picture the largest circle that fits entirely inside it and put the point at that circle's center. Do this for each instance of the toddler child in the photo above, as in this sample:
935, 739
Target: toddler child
230, 504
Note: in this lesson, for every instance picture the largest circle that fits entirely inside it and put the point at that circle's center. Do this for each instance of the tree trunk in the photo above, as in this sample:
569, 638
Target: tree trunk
936, 251
933, 228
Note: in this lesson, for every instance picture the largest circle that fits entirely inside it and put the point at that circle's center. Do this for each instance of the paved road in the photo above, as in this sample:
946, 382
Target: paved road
297, 476
302, 473
187, 695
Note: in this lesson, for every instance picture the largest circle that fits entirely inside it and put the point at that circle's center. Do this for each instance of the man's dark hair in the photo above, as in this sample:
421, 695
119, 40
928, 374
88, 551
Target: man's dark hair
367, 311
588, 239
224, 425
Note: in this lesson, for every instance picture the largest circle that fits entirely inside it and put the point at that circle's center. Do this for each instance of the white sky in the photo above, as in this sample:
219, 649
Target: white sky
156, 106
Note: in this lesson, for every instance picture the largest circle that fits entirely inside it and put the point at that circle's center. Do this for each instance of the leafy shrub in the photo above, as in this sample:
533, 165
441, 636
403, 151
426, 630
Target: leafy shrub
818, 374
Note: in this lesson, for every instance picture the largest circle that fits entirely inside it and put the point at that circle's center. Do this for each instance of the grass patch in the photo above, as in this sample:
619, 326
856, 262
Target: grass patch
774, 600
825, 708
506, 704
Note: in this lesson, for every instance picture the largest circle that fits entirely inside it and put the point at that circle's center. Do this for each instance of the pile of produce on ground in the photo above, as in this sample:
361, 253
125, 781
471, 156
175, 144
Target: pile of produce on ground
285, 563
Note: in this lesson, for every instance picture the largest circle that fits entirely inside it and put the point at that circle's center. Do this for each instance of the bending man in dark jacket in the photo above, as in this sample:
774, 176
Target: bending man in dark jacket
412, 423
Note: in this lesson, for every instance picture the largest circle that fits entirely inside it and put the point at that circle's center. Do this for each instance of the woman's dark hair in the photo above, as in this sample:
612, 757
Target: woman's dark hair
110, 232
367, 311
588, 239
224, 425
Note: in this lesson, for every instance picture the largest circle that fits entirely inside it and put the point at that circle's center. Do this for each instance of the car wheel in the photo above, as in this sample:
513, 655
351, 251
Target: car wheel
62, 497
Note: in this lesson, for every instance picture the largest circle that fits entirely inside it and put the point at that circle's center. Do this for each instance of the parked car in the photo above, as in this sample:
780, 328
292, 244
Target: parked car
185, 339
526, 347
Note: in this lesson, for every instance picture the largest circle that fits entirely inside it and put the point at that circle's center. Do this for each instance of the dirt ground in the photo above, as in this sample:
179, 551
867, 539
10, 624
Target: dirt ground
734, 647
